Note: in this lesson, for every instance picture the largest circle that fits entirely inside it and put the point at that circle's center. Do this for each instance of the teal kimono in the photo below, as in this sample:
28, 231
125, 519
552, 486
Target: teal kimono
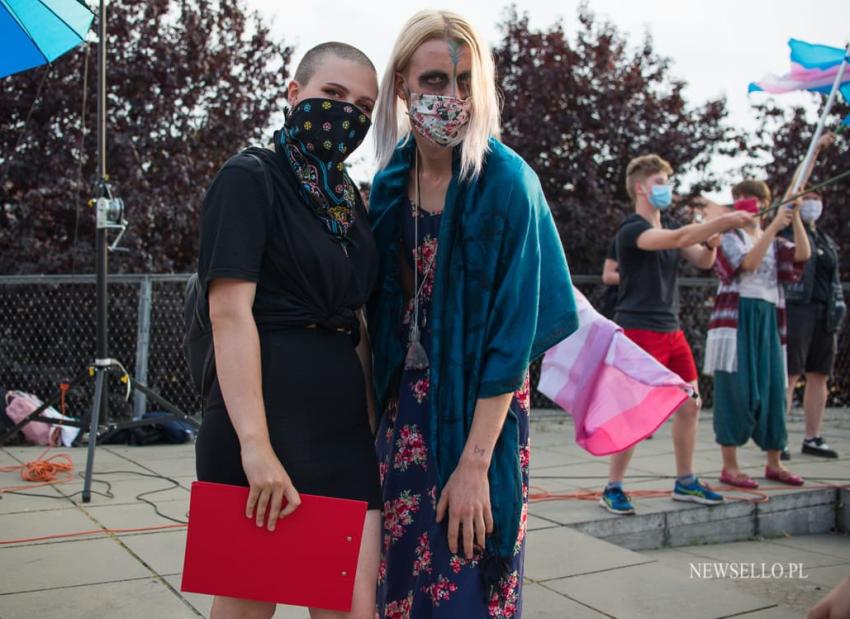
502, 296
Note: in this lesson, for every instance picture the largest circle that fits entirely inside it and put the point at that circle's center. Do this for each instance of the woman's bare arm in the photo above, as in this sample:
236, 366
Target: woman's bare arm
238, 367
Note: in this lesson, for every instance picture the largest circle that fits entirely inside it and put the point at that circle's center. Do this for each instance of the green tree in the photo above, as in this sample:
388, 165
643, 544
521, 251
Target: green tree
190, 82
579, 108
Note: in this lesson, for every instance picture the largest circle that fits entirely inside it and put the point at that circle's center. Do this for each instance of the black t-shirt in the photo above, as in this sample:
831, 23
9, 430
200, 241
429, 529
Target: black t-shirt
256, 227
648, 296
608, 305
612, 250
825, 265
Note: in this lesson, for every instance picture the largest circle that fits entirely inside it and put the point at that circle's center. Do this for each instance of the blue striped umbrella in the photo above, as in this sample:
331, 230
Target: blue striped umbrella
35, 32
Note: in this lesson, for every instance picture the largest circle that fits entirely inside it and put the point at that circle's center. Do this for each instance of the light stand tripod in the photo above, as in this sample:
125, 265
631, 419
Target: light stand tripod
109, 213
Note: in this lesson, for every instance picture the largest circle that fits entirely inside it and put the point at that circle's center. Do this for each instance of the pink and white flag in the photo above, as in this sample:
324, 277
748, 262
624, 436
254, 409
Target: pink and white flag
616, 392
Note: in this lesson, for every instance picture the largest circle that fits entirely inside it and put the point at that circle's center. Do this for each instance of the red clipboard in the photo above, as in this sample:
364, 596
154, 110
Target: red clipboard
310, 559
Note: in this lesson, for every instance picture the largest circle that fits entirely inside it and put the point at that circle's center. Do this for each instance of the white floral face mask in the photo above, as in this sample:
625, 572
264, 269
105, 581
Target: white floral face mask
441, 119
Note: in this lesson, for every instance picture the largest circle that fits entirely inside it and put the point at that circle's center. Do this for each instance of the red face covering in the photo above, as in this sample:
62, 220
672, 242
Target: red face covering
748, 205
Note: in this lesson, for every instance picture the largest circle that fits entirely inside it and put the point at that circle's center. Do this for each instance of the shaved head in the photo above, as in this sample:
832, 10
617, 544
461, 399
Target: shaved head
314, 57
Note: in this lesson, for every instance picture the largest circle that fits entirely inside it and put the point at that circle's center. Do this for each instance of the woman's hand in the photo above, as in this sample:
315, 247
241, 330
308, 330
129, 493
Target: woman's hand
783, 219
270, 485
735, 219
466, 498
825, 141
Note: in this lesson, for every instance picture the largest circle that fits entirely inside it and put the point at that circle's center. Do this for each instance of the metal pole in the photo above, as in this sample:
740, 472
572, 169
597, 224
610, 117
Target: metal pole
100, 407
101, 191
819, 129
101, 93
143, 339
97, 407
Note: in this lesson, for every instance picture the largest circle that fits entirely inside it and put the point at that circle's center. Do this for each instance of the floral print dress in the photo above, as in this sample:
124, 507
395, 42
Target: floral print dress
419, 577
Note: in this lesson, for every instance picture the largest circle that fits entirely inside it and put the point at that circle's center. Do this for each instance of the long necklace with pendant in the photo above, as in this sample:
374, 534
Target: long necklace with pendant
417, 357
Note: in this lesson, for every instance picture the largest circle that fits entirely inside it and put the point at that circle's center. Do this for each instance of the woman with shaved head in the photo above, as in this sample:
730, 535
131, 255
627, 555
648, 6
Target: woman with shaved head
287, 262
473, 285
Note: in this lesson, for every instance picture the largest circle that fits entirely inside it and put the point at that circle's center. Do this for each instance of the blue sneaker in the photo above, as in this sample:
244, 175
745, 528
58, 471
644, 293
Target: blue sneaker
617, 502
696, 492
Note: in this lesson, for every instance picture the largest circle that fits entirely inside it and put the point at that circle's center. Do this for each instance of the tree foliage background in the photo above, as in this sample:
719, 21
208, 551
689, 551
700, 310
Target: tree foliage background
189, 83
193, 81
782, 139
579, 108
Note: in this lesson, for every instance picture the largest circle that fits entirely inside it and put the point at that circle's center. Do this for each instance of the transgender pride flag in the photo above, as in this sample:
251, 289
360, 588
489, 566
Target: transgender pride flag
813, 68
616, 393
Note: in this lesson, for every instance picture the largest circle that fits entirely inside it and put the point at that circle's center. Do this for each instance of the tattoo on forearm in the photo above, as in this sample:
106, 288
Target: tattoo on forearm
478, 451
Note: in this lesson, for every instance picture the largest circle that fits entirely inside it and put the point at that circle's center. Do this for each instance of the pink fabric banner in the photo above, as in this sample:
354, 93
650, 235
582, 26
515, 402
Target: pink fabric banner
616, 392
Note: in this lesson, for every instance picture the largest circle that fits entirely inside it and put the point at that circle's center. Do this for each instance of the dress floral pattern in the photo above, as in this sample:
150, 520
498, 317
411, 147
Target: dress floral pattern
419, 577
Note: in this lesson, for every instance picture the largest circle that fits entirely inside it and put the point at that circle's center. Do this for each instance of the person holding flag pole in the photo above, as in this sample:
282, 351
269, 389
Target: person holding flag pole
816, 304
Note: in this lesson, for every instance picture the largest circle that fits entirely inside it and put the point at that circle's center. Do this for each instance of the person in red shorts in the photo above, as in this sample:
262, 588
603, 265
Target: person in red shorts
649, 246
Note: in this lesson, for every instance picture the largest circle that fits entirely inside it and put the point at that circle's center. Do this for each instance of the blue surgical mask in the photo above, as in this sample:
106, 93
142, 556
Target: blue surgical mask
811, 210
660, 196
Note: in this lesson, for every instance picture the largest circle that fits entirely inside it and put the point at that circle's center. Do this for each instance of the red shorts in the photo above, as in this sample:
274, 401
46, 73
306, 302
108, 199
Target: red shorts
671, 349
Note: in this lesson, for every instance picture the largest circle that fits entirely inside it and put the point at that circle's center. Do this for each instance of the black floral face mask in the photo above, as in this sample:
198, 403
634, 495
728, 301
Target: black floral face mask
319, 134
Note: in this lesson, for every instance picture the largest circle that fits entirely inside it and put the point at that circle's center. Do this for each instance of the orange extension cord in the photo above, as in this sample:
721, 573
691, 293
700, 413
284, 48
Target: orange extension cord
57, 470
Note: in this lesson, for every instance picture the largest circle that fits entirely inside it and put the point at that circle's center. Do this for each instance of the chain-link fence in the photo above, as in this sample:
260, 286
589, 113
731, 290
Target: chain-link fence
47, 336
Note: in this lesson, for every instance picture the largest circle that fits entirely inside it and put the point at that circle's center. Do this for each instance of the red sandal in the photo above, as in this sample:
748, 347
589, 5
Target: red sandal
783, 476
741, 480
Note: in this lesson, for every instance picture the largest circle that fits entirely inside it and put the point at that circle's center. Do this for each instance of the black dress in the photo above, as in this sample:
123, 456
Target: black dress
256, 227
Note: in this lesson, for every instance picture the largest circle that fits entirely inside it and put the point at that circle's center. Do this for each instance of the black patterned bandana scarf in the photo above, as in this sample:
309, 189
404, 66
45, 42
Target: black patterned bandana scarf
316, 138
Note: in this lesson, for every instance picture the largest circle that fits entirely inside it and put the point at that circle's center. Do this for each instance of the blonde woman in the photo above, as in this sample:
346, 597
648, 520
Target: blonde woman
473, 286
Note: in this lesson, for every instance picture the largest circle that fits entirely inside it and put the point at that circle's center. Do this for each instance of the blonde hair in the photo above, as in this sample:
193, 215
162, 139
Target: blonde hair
641, 168
391, 122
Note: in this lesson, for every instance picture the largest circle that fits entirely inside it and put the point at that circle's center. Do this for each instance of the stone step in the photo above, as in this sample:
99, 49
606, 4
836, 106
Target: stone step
800, 512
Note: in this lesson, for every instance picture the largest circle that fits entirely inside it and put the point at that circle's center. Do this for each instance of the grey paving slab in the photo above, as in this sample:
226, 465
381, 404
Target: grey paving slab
535, 523
816, 469
657, 592
828, 577
103, 457
68, 564
552, 432
137, 515
569, 511
48, 499
7, 459
203, 603
837, 546
171, 467
147, 598
125, 489
762, 551
793, 594
540, 602
163, 552
777, 612
158, 452
560, 552
49, 522
544, 458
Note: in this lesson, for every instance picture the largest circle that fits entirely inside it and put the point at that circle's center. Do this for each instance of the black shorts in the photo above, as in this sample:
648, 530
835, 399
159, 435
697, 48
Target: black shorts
810, 348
